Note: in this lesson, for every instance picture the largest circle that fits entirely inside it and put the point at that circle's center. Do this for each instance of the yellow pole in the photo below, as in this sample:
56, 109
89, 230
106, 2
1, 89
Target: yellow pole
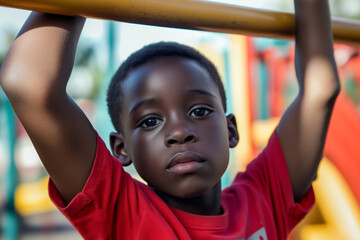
189, 14
239, 71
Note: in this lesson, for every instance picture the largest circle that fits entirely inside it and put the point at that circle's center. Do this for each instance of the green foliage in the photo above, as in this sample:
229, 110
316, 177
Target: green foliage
345, 9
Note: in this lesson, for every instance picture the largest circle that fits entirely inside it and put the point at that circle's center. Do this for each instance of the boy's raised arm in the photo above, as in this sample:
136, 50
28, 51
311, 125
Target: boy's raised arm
34, 77
302, 129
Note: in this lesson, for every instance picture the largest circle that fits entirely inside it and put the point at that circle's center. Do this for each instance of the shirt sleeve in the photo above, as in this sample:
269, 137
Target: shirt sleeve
94, 206
270, 173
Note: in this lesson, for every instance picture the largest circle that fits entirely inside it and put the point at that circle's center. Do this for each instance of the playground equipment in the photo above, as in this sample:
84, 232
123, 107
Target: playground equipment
337, 188
189, 14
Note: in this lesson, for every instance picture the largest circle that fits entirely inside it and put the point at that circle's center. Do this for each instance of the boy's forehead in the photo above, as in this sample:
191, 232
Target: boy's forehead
166, 75
160, 72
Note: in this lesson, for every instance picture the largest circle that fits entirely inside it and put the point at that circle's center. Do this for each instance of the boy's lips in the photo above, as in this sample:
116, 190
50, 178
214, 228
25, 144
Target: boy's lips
185, 162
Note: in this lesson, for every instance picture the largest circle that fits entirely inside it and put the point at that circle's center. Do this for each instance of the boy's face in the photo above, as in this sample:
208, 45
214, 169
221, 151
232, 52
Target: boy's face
174, 127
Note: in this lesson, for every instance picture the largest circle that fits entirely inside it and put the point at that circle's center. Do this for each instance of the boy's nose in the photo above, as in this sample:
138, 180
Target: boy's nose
180, 136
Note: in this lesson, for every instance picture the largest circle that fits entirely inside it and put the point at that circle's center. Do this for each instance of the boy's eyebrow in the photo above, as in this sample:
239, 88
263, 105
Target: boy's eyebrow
143, 102
202, 92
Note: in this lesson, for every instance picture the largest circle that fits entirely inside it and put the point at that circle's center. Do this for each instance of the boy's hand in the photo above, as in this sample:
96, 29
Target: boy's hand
302, 130
34, 77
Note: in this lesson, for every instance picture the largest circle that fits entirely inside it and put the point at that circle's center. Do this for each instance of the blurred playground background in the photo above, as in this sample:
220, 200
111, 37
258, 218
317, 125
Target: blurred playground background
260, 81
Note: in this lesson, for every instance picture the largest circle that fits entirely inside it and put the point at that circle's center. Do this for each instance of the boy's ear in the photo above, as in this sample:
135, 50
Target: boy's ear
118, 148
233, 131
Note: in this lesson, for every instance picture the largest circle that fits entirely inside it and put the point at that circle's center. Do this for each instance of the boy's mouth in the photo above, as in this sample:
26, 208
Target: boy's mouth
185, 162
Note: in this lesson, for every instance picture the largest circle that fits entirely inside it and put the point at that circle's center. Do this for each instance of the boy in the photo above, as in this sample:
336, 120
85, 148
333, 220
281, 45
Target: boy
168, 110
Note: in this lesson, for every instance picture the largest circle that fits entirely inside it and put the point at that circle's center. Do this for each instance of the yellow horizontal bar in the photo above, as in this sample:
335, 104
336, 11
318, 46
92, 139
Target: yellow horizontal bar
188, 14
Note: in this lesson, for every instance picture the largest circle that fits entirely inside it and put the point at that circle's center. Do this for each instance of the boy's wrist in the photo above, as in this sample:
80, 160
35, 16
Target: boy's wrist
52, 18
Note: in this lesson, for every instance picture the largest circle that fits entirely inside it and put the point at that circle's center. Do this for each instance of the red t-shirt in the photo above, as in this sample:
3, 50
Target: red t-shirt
258, 205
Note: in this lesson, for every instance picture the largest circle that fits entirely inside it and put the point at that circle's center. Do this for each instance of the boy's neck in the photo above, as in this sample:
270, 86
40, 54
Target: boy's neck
208, 203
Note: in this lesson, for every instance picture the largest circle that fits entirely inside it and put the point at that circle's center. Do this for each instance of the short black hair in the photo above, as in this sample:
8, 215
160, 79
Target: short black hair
146, 54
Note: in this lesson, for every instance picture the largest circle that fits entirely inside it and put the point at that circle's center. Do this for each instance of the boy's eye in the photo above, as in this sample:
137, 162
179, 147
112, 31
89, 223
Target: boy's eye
150, 122
200, 112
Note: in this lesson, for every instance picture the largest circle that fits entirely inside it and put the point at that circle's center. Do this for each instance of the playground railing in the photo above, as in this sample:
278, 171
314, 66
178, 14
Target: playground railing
189, 14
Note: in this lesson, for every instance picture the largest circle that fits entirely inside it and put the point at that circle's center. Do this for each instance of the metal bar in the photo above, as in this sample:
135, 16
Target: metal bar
189, 14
